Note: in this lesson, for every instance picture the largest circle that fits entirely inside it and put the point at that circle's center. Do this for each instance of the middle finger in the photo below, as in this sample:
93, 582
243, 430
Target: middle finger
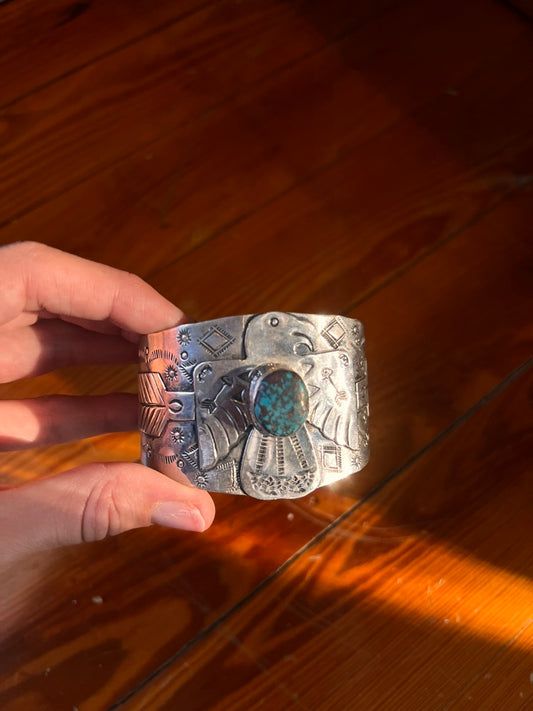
64, 418
51, 344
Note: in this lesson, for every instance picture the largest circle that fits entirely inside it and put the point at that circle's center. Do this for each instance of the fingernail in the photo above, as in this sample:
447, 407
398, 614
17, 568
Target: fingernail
177, 515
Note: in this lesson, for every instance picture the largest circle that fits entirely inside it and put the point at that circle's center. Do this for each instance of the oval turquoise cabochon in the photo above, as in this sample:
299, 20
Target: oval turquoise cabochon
281, 403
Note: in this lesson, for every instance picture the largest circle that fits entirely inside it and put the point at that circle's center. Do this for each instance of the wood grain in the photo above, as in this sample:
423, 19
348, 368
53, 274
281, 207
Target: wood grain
42, 42
368, 159
127, 99
190, 185
409, 581
506, 681
413, 402
369, 217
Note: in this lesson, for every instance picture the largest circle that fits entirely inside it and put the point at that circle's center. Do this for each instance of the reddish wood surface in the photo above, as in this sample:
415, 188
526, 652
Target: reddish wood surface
195, 182
367, 159
65, 36
388, 610
126, 99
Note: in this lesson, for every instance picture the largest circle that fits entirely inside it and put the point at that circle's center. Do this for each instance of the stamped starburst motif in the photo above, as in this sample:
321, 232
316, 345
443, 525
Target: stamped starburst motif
171, 373
355, 460
177, 435
200, 480
184, 336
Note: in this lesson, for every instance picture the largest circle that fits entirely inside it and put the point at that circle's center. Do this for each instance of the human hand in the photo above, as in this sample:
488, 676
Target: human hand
57, 309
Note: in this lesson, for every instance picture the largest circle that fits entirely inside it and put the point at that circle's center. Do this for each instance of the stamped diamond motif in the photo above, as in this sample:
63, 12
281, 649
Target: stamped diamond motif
334, 333
216, 340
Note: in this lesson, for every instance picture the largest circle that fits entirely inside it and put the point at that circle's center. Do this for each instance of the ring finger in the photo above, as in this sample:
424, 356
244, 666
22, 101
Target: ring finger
64, 418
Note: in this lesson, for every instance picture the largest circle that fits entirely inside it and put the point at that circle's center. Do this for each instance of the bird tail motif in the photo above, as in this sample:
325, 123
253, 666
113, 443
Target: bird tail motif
274, 467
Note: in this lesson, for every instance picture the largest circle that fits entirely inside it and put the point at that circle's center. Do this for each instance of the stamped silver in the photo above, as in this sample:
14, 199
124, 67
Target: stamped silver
270, 405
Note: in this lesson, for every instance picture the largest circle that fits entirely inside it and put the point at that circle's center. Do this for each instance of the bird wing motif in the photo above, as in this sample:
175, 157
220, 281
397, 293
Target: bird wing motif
332, 396
223, 418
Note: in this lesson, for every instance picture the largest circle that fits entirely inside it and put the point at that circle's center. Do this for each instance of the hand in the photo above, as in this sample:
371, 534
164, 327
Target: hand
55, 310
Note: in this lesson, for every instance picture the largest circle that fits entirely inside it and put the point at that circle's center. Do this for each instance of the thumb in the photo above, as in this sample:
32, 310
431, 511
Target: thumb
95, 501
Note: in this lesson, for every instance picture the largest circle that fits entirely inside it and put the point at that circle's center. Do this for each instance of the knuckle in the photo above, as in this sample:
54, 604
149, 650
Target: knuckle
135, 281
27, 249
101, 515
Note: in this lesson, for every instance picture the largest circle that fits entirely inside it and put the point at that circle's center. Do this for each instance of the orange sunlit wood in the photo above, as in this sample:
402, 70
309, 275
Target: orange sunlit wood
372, 159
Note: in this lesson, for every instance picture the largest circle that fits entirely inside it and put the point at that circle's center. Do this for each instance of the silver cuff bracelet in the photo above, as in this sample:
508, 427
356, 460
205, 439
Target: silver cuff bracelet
270, 405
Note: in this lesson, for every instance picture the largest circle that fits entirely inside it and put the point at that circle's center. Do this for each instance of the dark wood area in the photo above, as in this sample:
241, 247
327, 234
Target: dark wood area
367, 158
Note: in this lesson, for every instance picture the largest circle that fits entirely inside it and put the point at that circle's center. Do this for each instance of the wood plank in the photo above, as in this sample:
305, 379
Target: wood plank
93, 383
523, 6
399, 605
440, 337
43, 41
387, 68
62, 134
190, 185
158, 596
506, 682
342, 233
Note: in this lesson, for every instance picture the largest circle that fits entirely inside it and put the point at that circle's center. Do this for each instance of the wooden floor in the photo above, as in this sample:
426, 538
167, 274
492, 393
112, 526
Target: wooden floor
367, 158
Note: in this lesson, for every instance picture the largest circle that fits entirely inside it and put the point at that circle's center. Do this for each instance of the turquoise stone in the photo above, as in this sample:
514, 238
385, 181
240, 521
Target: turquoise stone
281, 403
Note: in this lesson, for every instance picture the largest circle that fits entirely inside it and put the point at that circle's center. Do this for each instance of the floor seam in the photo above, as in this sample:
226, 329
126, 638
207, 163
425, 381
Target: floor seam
464, 417
115, 50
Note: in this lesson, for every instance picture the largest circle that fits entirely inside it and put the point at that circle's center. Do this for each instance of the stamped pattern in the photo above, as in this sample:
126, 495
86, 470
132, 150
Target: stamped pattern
214, 402
216, 340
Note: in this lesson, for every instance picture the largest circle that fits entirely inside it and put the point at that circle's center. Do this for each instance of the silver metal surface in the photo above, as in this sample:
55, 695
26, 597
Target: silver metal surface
271, 405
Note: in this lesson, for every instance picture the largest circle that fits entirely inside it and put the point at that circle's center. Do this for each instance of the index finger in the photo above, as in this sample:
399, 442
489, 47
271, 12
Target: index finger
36, 277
